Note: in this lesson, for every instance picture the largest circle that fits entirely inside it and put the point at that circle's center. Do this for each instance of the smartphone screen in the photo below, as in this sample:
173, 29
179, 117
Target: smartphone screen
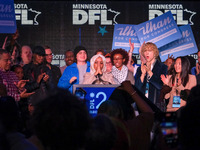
176, 101
169, 129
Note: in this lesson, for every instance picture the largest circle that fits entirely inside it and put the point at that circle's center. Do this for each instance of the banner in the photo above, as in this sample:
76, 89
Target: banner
63, 25
7, 16
182, 47
122, 33
160, 30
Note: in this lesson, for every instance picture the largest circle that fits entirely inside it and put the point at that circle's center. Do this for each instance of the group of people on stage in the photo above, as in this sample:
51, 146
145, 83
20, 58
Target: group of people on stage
28, 76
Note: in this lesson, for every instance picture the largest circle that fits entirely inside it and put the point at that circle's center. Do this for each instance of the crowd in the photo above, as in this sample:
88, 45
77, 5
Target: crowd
38, 110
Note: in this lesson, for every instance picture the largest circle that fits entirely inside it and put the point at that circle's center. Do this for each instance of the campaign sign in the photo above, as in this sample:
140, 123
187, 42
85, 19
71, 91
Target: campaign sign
122, 33
7, 16
160, 30
94, 95
182, 47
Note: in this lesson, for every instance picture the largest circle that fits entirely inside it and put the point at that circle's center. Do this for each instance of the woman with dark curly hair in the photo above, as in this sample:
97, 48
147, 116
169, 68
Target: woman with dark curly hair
119, 58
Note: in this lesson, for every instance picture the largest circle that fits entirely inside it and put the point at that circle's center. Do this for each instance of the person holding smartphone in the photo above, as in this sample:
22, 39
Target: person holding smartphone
179, 81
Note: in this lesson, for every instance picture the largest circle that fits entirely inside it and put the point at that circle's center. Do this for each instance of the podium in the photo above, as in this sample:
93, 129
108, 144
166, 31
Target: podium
93, 94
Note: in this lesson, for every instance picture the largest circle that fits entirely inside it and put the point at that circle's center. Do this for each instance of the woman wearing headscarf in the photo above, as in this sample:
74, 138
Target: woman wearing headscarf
98, 74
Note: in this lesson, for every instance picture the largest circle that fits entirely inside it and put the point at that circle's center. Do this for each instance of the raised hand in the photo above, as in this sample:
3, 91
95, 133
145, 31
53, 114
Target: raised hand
72, 79
40, 77
172, 57
148, 66
164, 79
130, 53
127, 86
99, 69
24, 94
46, 77
143, 69
131, 46
21, 84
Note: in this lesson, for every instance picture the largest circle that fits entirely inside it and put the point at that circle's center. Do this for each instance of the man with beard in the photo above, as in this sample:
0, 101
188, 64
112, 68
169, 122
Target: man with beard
69, 59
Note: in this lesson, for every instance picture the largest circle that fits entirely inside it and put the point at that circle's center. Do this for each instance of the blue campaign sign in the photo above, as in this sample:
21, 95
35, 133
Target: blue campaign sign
182, 47
122, 33
7, 16
160, 30
95, 95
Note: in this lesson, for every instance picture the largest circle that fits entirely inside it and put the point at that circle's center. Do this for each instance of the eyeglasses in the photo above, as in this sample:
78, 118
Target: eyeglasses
115, 59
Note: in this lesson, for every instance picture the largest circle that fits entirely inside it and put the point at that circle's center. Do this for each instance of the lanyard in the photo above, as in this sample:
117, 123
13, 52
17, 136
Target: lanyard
147, 86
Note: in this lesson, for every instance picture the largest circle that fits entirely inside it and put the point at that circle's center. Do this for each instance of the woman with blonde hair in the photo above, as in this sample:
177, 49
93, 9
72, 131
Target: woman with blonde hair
147, 77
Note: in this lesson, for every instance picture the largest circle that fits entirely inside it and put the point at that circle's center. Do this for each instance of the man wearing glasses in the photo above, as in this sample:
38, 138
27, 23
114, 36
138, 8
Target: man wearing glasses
55, 71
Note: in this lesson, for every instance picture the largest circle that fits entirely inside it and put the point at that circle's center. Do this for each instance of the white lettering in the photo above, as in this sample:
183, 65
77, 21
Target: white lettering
79, 17
58, 57
176, 9
89, 6
153, 27
104, 98
104, 20
165, 6
180, 18
93, 16
92, 104
128, 31
25, 18
154, 13
21, 6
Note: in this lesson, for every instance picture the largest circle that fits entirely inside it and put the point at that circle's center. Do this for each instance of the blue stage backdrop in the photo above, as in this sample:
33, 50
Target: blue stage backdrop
63, 25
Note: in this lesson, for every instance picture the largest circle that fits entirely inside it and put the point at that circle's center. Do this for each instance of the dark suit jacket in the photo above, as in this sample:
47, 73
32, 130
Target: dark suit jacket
155, 83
